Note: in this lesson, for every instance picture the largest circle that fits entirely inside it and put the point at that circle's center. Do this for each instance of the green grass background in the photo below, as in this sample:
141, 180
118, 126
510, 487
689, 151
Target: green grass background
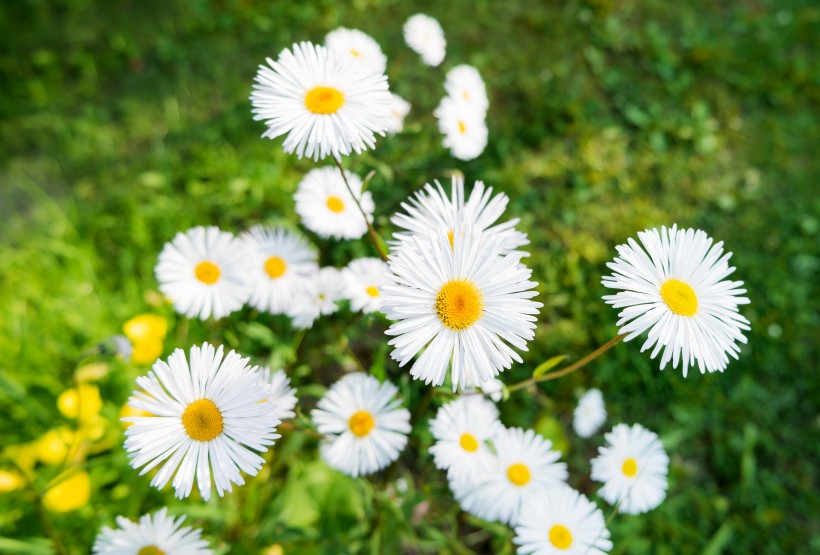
122, 123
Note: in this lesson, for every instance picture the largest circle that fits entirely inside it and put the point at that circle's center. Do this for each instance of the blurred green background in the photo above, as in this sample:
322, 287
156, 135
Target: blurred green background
122, 123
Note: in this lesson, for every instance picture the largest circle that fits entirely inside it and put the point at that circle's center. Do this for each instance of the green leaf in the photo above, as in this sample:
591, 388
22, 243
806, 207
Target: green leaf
28, 546
548, 365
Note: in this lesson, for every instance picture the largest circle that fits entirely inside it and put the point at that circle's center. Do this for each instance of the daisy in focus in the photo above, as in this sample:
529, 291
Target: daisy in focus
280, 394
590, 413
279, 261
564, 522
317, 296
203, 272
325, 103
156, 534
464, 128
326, 206
364, 425
464, 84
464, 305
357, 46
362, 279
424, 35
633, 467
462, 429
673, 285
398, 111
431, 209
526, 468
208, 418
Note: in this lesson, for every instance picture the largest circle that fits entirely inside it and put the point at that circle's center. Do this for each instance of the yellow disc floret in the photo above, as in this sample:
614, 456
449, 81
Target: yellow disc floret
630, 467
560, 536
335, 204
202, 420
150, 550
468, 442
372, 290
207, 272
361, 423
459, 304
324, 100
519, 474
679, 297
275, 267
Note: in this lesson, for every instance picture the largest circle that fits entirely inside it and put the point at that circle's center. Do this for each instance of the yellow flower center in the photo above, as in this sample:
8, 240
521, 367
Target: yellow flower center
466, 95
560, 536
679, 297
324, 100
150, 550
355, 53
275, 267
372, 290
461, 127
630, 467
450, 235
207, 272
459, 304
361, 423
468, 442
202, 420
518, 474
335, 204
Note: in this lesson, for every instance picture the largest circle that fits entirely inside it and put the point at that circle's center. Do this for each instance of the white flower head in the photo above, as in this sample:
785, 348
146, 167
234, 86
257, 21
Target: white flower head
327, 207
526, 468
464, 128
424, 35
326, 104
493, 388
153, 535
207, 418
279, 261
462, 429
464, 84
590, 413
673, 286
317, 296
364, 425
398, 111
204, 272
564, 522
633, 467
466, 306
358, 47
430, 209
280, 394
362, 279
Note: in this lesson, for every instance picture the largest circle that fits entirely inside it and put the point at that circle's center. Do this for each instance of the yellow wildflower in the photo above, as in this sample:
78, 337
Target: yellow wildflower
10, 481
145, 326
69, 494
146, 351
83, 402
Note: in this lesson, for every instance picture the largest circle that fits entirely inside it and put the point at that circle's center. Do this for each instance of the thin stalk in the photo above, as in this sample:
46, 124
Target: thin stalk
373, 234
42, 511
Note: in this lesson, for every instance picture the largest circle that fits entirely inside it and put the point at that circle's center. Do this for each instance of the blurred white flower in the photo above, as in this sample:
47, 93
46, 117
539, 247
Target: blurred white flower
154, 534
358, 47
590, 413
362, 279
463, 127
425, 36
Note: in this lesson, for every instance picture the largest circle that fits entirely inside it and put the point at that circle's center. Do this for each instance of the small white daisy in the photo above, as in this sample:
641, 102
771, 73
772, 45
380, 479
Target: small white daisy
564, 522
279, 261
326, 206
362, 279
463, 303
204, 272
207, 417
590, 413
364, 425
157, 534
398, 111
316, 296
325, 103
673, 285
358, 47
526, 467
462, 429
633, 467
464, 129
424, 35
431, 209
493, 388
280, 394
464, 84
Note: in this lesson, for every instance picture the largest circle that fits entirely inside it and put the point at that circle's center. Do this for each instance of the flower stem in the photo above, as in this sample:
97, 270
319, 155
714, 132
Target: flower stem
373, 234
571, 368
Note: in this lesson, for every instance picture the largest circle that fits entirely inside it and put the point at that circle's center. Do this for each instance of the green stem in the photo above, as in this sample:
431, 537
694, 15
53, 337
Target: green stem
373, 235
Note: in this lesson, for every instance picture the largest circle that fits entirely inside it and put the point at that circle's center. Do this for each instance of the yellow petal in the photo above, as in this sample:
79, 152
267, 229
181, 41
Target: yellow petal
145, 326
70, 494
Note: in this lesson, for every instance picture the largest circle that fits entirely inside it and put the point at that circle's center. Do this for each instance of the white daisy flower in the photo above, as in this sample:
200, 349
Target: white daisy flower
279, 261
280, 394
203, 272
364, 425
526, 468
398, 111
431, 209
633, 467
590, 413
464, 303
358, 47
325, 103
464, 84
206, 418
493, 388
673, 285
316, 297
326, 206
156, 534
564, 522
462, 429
424, 35
362, 279
464, 129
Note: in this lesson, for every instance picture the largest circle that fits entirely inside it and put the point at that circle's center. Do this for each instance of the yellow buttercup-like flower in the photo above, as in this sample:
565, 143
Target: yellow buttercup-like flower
69, 494
145, 326
82, 402
53, 447
146, 351
10, 481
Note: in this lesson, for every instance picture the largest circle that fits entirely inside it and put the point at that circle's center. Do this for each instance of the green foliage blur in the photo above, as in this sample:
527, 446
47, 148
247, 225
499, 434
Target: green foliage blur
124, 122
